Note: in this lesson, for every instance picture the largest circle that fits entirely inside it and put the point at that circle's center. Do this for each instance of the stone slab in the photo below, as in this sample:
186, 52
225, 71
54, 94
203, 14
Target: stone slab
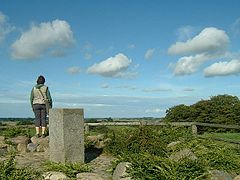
66, 135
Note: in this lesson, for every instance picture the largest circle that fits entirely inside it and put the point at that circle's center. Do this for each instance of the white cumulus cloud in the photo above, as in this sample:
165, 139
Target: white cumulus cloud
43, 38
209, 40
209, 44
112, 67
149, 53
189, 64
223, 68
73, 70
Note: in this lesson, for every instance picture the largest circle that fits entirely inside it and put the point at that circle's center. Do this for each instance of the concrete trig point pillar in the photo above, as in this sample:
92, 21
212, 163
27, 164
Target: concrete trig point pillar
66, 135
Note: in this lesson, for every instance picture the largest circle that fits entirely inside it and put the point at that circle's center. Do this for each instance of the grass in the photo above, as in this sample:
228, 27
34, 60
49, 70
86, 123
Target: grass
227, 136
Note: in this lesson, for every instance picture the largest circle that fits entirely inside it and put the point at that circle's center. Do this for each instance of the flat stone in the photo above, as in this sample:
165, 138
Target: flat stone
120, 173
20, 139
52, 175
89, 176
185, 153
219, 175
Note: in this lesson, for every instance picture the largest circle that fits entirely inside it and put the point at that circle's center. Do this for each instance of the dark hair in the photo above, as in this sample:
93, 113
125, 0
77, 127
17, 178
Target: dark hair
40, 80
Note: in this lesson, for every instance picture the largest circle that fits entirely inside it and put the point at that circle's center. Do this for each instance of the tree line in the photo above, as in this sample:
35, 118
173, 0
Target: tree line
220, 109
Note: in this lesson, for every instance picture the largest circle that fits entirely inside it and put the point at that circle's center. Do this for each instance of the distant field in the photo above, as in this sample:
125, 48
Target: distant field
230, 136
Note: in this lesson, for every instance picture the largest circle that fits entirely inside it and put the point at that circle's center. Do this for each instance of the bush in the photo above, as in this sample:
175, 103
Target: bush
141, 139
146, 149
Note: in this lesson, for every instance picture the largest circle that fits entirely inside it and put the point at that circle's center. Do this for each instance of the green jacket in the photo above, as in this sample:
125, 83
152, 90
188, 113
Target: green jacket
38, 86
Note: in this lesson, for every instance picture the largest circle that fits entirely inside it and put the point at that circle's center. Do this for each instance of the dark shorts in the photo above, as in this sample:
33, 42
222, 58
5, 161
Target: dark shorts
40, 115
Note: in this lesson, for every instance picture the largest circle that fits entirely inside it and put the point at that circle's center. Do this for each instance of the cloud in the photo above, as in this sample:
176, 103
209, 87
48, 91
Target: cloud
5, 27
129, 87
157, 90
224, 68
41, 39
73, 70
188, 89
149, 53
112, 67
209, 40
189, 64
105, 85
156, 110
209, 44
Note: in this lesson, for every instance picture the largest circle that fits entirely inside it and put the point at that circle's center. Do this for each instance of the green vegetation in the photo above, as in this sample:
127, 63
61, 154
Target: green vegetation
70, 169
17, 131
9, 171
221, 109
146, 149
230, 136
25, 122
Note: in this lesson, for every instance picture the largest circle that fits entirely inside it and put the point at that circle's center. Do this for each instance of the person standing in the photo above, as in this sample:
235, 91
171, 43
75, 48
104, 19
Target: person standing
39, 97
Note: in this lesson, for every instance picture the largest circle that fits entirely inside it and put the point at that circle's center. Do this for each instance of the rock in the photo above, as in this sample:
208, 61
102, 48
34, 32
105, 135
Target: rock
172, 144
36, 140
120, 173
237, 177
41, 143
52, 175
32, 147
20, 140
185, 153
219, 175
98, 141
22, 148
2, 138
89, 176
3, 148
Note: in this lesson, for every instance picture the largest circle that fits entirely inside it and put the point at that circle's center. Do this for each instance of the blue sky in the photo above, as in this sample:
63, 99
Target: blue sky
118, 58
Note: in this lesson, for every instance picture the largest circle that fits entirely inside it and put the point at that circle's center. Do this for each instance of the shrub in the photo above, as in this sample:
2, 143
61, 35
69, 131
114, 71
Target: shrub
9, 171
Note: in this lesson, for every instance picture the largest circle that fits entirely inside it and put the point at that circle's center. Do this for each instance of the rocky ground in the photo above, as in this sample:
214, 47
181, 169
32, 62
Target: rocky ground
100, 162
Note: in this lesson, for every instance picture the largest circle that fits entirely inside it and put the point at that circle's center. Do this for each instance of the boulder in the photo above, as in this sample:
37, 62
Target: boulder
32, 147
22, 148
120, 173
89, 176
42, 144
185, 153
20, 140
36, 140
52, 175
2, 138
219, 175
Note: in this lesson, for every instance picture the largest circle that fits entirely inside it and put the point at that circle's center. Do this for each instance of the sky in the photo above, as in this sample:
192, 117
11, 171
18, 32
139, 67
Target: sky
118, 58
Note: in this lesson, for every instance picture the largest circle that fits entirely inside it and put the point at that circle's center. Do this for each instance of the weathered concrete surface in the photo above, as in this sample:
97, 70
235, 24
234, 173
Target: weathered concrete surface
66, 135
